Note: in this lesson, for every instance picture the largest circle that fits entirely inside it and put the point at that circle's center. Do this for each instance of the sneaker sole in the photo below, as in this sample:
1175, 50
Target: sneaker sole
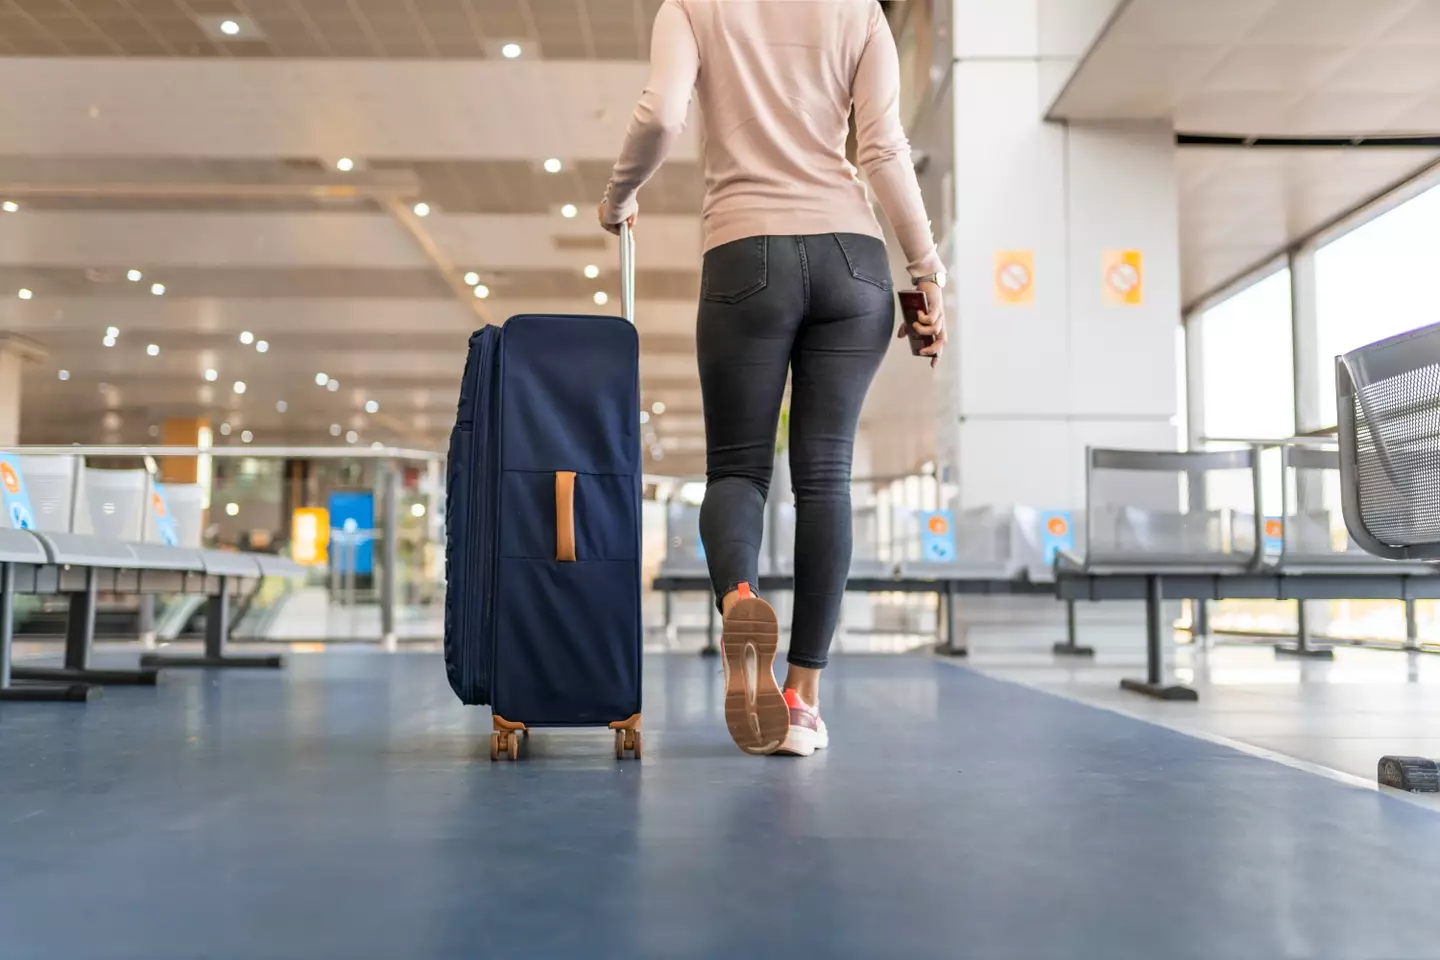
758, 718
800, 742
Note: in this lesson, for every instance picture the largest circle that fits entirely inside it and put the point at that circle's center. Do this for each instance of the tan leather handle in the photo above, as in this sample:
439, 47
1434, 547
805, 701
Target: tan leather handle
565, 516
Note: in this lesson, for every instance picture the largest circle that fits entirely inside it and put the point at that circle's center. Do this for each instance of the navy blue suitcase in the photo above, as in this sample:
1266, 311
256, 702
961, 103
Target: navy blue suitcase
542, 609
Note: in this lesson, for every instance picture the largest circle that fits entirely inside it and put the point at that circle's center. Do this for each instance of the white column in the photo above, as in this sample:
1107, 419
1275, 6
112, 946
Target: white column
1035, 384
1310, 385
15, 353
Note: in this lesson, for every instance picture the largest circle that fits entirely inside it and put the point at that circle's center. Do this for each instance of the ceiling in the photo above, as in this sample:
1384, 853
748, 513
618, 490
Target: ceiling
154, 143
1242, 207
1295, 69
1268, 67
427, 29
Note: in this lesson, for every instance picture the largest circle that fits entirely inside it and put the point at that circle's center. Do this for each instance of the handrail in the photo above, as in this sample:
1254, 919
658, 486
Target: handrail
228, 451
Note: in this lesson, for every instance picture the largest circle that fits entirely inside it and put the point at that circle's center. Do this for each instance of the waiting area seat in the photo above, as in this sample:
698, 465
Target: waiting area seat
97, 532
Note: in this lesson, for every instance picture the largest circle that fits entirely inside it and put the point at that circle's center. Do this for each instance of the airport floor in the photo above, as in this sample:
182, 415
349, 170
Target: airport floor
346, 807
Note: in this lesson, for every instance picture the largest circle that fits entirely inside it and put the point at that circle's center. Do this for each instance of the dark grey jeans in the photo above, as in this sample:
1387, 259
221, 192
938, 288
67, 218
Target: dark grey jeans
821, 309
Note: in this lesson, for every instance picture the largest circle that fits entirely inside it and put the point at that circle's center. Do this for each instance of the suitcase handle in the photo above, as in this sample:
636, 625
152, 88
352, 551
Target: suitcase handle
565, 516
627, 272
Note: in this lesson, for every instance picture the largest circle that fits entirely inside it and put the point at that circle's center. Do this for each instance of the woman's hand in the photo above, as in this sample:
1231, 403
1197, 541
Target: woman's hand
614, 227
931, 324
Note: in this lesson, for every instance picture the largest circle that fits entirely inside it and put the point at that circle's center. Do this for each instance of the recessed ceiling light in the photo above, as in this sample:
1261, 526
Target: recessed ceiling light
482, 291
134, 276
281, 406
644, 416
334, 429
238, 386
9, 206
224, 429
247, 338
344, 164
158, 289
262, 346
569, 211
472, 278
591, 271
25, 293
229, 27
511, 51
371, 406
351, 437
212, 375
108, 341
601, 297
246, 436
417, 510
658, 406
422, 209
333, 385
153, 349
377, 445
321, 379
232, 509
112, 332
552, 165
64, 374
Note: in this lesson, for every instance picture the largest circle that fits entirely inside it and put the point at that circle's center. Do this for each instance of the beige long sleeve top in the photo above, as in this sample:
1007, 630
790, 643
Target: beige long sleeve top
776, 81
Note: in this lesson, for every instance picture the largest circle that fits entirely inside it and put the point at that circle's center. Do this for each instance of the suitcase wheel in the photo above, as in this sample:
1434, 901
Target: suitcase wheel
504, 745
627, 737
628, 741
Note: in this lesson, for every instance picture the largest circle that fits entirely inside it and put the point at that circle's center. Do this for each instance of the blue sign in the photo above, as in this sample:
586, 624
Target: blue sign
353, 512
13, 495
1274, 535
1057, 534
937, 536
164, 520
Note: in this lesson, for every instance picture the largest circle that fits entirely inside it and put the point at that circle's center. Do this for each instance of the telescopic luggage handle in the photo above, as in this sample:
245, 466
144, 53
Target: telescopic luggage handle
627, 272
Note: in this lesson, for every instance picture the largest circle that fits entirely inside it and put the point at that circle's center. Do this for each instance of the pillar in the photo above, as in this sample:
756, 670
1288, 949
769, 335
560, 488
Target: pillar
1071, 362
181, 432
15, 352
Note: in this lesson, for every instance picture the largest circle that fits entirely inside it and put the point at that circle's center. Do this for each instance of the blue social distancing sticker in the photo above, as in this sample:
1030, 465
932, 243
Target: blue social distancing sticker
164, 519
937, 536
1057, 534
13, 494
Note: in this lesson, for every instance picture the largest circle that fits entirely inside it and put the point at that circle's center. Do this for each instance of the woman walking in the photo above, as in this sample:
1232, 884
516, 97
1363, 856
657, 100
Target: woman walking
796, 280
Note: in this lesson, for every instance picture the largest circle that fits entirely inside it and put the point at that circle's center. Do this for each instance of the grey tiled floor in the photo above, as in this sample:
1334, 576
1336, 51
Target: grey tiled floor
1342, 716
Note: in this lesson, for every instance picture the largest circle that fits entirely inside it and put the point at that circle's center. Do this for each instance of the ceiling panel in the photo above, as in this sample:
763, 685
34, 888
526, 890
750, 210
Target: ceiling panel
1240, 208
1265, 68
424, 29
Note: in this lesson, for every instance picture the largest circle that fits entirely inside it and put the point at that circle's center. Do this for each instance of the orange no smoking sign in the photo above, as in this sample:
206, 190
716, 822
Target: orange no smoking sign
1124, 278
1015, 277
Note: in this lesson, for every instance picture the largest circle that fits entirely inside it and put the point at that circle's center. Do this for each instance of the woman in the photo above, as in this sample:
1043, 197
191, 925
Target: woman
796, 279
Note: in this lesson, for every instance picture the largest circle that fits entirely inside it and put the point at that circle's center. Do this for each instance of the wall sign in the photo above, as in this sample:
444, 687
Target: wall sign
1015, 277
1124, 279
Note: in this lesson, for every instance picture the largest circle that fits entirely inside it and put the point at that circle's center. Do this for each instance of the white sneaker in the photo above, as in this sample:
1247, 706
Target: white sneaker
807, 732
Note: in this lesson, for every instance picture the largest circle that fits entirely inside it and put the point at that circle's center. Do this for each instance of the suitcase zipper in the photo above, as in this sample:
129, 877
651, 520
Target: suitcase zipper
482, 528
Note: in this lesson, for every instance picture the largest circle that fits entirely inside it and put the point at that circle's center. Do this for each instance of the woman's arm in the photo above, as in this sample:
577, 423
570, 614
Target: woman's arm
884, 150
659, 117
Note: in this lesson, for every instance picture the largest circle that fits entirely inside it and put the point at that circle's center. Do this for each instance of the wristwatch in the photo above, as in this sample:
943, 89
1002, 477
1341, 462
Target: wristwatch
936, 278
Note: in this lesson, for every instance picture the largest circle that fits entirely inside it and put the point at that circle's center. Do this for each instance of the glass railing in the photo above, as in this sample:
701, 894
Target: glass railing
367, 523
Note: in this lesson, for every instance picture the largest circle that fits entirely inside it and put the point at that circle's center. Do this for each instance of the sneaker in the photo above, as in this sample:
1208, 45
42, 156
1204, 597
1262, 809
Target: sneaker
807, 731
755, 709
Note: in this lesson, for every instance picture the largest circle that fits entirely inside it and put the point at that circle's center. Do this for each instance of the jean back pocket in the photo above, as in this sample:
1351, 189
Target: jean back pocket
736, 270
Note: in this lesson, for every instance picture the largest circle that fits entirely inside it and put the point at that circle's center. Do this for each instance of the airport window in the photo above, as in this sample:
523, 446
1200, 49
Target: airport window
1248, 363
1375, 282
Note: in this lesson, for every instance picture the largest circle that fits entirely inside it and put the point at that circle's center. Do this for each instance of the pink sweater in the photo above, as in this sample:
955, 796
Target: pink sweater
777, 79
